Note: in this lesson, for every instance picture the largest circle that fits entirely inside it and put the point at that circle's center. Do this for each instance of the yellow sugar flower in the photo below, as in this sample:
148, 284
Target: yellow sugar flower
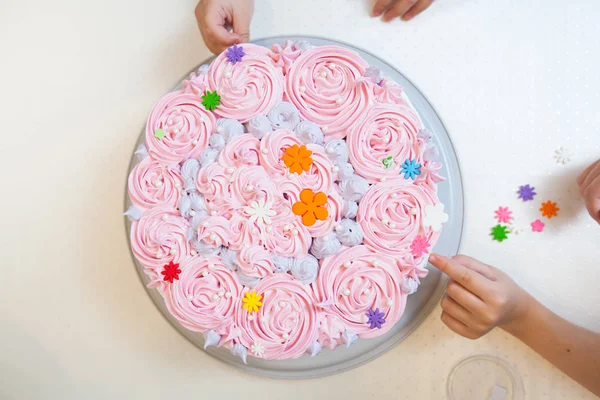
252, 301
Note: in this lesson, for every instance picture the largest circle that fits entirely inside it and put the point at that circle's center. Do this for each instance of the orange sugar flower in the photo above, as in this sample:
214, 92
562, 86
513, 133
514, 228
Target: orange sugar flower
549, 209
310, 207
297, 158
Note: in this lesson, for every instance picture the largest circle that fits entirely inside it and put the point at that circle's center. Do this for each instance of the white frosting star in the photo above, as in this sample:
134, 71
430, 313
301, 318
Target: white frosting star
260, 211
435, 216
258, 349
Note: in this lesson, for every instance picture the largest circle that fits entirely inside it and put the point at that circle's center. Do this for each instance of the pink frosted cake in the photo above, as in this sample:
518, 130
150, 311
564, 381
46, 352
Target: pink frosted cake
285, 200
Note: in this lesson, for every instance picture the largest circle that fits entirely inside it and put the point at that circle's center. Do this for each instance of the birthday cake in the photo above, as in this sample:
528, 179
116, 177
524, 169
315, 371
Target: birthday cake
285, 200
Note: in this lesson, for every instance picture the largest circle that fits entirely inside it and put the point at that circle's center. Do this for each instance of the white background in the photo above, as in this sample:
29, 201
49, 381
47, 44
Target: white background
512, 81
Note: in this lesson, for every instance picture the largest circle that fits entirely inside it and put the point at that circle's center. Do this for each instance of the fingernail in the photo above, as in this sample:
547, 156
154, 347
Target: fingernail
377, 13
433, 257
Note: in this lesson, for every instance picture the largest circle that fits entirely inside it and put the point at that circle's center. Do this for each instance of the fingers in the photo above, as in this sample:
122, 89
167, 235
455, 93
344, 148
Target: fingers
590, 177
469, 279
476, 266
241, 25
212, 21
586, 172
458, 327
418, 8
592, 199
465, 298
381, 6
457, 311
399, 8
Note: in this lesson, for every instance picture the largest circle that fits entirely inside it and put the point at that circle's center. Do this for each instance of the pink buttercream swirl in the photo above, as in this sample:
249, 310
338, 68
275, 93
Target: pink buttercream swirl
214, 231
158, 238
241, 151
356, 280
284, 56
386, 130
389, 92
153, 184
320, 176
331, 328
255, 261
186, 124
325, 84
248, 88
286, 324
196, 82
291, 189
391, 215
206, 296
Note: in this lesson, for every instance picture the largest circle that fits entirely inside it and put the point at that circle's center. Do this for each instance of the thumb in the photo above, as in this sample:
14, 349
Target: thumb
241, 25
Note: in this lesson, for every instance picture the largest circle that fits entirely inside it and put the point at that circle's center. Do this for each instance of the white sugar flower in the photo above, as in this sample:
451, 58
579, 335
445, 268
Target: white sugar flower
563, 155
258, 349
514, 227
435, 216
260, 211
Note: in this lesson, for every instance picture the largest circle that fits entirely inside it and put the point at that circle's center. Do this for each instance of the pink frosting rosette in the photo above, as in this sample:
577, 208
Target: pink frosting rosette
205, 297
158, 238
245, 233
250, 87
284, 56
391, 216
252, 183
386, 131
241, 151
272, 147
319, 177
186, 126
255, 261
214, 183
356, 280
331, 328
335, 204
289, 239
325, 84
286, 324
389, 92
153, 184
196, 82
214, 231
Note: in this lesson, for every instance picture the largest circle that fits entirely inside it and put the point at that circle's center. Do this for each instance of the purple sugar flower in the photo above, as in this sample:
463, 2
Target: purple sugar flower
376, 318
526, 192
235, 54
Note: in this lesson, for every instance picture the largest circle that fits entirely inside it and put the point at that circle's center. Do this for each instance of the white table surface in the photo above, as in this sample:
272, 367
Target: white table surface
512, 81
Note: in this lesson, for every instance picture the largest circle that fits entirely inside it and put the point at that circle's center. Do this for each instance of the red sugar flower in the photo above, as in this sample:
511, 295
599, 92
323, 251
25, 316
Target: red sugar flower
171, 271
419, 246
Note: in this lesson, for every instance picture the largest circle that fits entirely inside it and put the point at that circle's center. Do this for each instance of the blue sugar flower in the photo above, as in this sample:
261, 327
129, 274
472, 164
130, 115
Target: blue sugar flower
410, 169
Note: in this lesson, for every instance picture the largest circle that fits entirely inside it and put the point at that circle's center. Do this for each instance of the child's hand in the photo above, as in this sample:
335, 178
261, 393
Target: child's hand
405, 9
479, 297
589, 186
216, 16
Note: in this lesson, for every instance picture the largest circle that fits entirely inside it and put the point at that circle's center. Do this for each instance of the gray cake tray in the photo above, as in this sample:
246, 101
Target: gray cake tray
419, 305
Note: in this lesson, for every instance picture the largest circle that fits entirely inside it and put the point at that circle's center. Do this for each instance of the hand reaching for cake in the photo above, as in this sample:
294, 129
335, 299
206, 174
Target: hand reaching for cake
589, 186
480, 297
224, 23
404, 9
216, 17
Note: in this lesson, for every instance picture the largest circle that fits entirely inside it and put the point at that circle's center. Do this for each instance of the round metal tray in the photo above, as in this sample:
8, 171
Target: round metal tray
419, 304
